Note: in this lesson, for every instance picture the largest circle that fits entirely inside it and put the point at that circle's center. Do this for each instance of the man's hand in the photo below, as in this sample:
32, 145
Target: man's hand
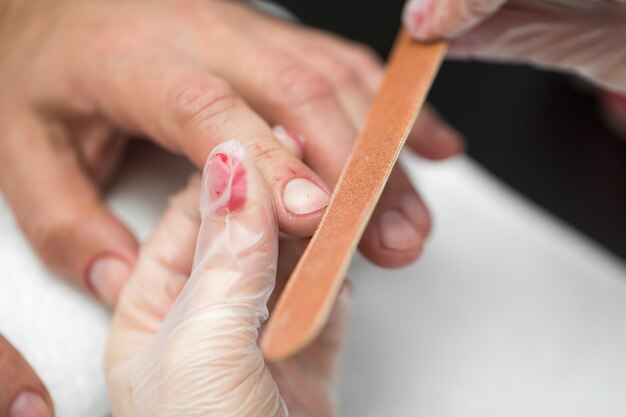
79, 77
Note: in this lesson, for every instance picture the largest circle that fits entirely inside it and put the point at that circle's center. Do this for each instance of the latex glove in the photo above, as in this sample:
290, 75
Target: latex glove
194, 352
587, 37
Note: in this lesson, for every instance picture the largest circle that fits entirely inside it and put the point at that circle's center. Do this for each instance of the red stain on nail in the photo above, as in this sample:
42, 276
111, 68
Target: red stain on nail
417, 19
227, 176
418, 16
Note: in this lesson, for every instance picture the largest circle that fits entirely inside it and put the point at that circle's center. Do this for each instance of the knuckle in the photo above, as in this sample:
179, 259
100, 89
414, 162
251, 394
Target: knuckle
199, 103
266, 155
298, 85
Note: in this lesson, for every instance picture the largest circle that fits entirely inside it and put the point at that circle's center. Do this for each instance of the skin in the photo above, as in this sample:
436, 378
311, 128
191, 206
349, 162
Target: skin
81, 77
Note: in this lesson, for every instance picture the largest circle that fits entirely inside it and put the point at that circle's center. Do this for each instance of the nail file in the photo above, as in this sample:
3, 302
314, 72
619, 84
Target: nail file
305, 304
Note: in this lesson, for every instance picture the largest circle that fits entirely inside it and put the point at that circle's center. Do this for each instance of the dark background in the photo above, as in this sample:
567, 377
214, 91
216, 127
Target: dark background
537, 131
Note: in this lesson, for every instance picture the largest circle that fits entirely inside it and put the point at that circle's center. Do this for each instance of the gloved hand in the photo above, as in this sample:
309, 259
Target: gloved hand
188, 346
587, 37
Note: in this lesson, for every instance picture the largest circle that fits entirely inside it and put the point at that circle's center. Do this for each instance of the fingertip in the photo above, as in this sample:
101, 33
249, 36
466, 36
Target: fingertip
30, 404
392, 239
397, 233
22, 393
106, 276
225, 184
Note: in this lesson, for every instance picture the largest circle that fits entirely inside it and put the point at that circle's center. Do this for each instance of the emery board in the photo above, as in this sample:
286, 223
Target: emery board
306, 302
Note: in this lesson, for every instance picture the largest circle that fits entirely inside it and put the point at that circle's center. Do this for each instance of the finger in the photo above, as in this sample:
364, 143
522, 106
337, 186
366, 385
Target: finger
61, 212
160, 274
190, 111
399, 225
285, 91
432, 19
101, 154
212, 327
22, 394
431, 137
392, 238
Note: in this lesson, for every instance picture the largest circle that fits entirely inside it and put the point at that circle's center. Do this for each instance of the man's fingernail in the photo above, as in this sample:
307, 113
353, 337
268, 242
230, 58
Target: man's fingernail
292, 141
29, 404
106, 278
302, 196
396, 232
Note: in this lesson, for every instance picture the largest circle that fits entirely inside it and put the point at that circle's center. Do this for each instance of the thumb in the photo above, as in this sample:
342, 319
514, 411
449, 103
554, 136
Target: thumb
433, 19
204, 355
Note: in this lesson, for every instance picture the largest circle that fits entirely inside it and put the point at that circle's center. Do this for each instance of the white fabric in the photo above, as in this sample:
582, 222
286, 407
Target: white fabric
508, 312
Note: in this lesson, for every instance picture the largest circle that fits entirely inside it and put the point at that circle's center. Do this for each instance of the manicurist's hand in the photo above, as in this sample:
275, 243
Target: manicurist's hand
587, 37
77, 77
184, 335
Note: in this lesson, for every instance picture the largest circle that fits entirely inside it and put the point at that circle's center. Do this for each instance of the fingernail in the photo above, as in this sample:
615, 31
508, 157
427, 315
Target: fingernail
396, 232
416, 13
29, 404
226, 182
292, 141
106, 278
302, 196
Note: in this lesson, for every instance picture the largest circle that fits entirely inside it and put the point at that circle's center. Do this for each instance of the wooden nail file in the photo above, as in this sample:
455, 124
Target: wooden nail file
306, 302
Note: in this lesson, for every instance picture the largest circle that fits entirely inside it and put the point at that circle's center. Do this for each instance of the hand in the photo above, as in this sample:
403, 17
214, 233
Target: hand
79, 77
183, 346
583, 36
22, 394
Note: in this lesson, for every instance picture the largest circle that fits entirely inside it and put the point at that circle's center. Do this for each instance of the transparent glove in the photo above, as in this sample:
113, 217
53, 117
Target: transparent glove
587, 37
184, 346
